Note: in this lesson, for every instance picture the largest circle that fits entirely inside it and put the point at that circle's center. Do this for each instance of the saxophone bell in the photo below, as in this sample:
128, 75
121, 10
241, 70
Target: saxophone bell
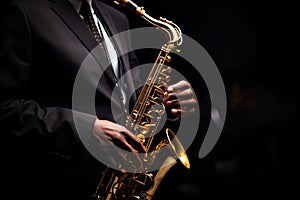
178, 148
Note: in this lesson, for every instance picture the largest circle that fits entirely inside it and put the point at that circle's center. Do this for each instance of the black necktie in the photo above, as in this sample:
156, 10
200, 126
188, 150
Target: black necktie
86, 13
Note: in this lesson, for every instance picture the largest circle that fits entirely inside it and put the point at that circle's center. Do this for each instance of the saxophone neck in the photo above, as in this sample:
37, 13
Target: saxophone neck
172, 30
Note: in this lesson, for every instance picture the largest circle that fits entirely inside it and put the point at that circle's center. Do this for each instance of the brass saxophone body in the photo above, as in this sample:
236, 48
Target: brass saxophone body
143, 121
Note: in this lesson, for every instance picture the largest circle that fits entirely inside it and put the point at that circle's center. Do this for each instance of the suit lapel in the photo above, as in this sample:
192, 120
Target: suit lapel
65, 10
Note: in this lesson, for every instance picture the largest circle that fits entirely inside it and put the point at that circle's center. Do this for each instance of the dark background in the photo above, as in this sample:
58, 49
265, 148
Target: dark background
250, 42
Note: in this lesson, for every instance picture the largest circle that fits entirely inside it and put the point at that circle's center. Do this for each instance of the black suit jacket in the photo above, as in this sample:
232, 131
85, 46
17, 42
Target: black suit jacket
42, 46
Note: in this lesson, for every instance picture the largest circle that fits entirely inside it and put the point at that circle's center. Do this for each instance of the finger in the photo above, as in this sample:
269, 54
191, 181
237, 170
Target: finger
133, 140
184, 94
182, 112
128, 146
178, 86
136, 144
183, 103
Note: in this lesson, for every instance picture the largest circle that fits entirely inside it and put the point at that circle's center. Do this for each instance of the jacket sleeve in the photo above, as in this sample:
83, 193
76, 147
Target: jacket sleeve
21, 117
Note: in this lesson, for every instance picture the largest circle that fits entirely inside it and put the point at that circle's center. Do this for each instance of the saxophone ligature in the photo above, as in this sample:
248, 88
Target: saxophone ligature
143, 122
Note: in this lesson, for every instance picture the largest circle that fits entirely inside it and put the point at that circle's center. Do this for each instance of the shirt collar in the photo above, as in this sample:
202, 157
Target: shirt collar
77, 3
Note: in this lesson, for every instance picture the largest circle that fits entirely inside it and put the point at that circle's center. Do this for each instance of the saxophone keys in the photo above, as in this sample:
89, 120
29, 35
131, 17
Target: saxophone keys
165, 77
141, 137
159, 112
168, 58
164, 84
166, 70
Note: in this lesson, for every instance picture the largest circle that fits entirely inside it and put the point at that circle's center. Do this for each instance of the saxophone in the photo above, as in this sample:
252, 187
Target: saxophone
143, 122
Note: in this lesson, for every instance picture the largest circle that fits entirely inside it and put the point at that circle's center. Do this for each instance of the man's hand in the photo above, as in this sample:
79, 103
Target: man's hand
110, 137
118, 135
180, 99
